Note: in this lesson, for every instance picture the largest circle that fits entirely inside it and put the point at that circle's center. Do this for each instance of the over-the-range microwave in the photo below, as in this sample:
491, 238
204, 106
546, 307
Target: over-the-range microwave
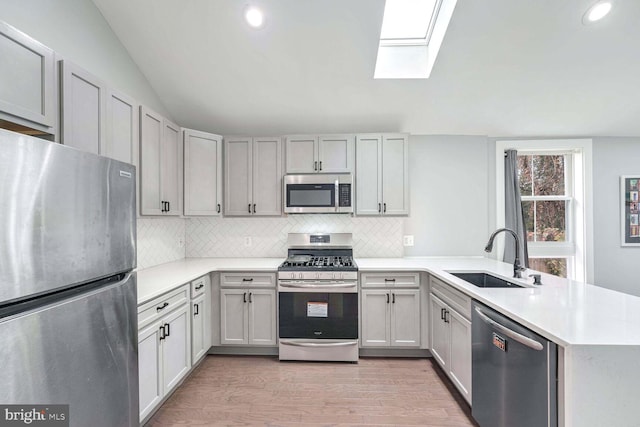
318, 193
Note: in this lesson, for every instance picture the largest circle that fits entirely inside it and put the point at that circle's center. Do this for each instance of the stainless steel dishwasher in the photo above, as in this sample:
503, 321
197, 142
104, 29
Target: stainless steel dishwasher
514, 373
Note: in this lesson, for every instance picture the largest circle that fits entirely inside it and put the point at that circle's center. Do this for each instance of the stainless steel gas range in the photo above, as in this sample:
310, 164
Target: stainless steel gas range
318, 299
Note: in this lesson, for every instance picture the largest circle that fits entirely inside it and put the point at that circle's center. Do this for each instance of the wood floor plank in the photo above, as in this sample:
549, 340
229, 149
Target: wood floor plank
261, 391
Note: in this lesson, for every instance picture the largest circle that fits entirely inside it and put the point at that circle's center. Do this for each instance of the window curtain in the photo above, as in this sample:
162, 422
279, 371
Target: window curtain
514, 218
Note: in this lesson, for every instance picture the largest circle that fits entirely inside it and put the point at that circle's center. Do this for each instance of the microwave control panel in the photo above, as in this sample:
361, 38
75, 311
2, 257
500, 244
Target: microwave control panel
345, 195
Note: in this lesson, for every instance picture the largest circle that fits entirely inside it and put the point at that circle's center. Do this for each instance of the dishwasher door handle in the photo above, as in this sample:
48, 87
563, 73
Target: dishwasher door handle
533, 344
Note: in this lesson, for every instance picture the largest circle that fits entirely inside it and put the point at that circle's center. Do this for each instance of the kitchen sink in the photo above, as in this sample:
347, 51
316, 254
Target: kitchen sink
484, 280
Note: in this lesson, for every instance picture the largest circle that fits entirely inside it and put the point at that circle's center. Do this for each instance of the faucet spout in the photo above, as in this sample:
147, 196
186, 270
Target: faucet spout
517, 267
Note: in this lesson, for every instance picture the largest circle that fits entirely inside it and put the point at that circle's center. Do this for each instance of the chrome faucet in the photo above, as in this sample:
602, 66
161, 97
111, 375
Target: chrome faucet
517, 268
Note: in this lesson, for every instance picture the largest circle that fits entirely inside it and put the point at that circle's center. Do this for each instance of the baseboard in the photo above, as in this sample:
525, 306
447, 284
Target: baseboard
394, 352
244, 351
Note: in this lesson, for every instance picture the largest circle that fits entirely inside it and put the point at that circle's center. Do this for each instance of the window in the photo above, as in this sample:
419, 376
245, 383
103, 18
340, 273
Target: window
555, 183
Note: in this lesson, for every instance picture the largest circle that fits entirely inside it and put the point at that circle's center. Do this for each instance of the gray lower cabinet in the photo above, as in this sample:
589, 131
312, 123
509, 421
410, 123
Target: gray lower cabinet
200, 318
27, 73
390, 310
451, 334
253, 176
164, 347
248, 309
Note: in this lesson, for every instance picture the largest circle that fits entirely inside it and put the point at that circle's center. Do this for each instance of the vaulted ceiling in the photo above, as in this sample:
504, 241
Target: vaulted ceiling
506, 68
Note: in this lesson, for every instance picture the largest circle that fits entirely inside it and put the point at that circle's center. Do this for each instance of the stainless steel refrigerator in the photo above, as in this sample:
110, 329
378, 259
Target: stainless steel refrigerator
68, 310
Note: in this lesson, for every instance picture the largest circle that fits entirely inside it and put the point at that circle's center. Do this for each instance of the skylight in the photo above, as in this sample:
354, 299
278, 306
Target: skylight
411, 35
407, 19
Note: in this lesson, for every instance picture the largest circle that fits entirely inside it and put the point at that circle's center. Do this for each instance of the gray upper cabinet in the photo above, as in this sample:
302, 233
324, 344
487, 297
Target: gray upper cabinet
253, 176
27, 73
320, 154
202, 173
83, 111
122, 127
382, 174
160, 160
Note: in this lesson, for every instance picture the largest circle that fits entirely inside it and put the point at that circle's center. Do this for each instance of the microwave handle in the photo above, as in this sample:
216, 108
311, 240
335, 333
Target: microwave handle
337, 195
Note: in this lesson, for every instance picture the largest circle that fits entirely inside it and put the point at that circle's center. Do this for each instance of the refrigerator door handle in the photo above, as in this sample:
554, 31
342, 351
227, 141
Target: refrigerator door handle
533, 344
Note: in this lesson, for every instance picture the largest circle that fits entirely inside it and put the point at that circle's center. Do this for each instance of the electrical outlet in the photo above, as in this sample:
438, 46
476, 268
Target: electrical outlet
407, 240
247, 241
181, 243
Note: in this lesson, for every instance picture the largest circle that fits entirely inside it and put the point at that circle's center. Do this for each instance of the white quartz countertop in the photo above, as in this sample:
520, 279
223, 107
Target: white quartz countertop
567, 312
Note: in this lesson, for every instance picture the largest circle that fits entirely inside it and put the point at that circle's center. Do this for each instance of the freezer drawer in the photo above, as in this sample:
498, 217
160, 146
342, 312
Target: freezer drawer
81, 351
514, 373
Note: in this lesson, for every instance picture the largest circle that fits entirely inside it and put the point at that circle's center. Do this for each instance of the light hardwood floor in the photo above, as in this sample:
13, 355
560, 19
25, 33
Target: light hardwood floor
247, 390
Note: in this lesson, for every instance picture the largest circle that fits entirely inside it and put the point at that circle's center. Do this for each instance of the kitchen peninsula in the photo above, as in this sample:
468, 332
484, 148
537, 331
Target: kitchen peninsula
596, 329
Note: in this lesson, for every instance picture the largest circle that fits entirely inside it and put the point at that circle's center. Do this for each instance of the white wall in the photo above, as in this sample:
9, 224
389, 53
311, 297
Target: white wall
616, 267
76, 30
449, 195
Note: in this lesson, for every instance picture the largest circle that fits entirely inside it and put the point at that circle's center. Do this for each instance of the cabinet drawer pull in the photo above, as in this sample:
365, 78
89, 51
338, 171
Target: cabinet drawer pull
389, 280
162, 336
384, 208
393, 300
315, 166
250, 300
254, 208
196, 310
379, 207
446, 318
442, 310
218, 207
162, 307
387, 298
249, 207
320, 164
168, 206
250, 279
200, 286
244, 297
168, 326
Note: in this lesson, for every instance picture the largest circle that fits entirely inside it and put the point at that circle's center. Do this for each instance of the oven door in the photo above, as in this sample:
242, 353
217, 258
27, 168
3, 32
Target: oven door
318, 315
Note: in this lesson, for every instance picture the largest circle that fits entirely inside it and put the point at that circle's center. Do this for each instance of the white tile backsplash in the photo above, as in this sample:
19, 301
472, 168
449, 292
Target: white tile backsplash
160, 240
225, 237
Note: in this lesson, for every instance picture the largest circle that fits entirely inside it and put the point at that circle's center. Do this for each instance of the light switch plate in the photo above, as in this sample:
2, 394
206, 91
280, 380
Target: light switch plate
407, 240
247, 241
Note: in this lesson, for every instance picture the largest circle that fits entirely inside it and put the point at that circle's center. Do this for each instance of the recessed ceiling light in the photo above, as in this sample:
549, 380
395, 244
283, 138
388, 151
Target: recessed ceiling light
597, 12
254, 17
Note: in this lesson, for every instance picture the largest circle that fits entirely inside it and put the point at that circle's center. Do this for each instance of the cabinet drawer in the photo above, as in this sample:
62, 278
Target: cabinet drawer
198, 286
248, 279
390, 280
162, 305
456, 299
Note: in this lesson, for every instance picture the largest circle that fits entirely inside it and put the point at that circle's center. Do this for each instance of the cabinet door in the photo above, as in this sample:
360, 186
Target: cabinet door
122, 128
233, 316
376, 318
460, 366
369, 175
151, 130
395, 176
83, 112
176, 347
149, 363
267, 176
171, 176
198, 314
440, 338
336, 153
237, 183
405, 318
202, 173
301, 154
27, 73
262, 316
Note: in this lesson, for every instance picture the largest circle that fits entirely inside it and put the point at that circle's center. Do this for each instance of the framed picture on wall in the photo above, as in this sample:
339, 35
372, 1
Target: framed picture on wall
630, 210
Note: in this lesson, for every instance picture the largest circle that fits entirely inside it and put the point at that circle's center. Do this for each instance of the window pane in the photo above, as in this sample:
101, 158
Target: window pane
555, 266
529, 219
524, 175
407, 19
548, 175
550, 222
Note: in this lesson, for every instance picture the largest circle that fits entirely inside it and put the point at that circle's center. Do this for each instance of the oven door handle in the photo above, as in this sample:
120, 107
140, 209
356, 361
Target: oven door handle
307, 285
313, 344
